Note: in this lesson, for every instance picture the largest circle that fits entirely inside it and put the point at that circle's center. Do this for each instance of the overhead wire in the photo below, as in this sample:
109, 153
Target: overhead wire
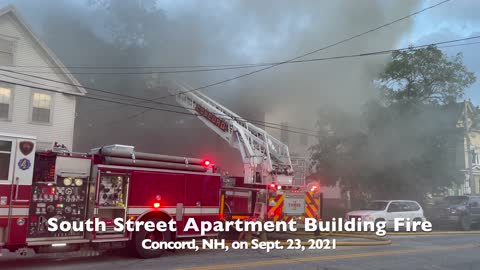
129, 104
256, 65
303, 55
145, 100
228, 66
292, 59
311, 52
270, 124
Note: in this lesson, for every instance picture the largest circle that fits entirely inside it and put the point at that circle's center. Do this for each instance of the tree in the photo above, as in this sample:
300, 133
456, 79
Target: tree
407, 146
421, 88
425, 75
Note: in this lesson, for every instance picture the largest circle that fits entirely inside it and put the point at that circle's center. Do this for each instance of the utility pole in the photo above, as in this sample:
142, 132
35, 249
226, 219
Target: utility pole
469, 154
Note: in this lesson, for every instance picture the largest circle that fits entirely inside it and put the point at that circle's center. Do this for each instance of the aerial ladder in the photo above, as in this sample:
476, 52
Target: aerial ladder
266, 159
268, 170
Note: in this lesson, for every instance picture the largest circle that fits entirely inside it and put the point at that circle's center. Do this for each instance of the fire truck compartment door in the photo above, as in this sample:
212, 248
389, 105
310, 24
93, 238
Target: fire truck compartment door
294, 205
7, 156
202, 194
16, 169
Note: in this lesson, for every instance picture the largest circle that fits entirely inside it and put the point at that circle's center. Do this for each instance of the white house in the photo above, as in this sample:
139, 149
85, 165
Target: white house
48, 115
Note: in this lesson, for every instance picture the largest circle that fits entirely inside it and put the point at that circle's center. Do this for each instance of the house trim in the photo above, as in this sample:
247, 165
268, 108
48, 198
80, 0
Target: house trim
64, 71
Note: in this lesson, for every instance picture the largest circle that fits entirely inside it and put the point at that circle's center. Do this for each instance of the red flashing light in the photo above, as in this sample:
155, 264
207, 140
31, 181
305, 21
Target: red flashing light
206, 163
272, 185
156, 205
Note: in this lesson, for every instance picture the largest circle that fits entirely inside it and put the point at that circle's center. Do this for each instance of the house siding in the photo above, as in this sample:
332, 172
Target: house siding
27, 52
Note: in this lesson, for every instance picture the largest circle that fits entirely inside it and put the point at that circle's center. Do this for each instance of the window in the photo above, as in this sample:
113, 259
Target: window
6, 52
454, 200
376, 205
412, 206
5, 155
396, 207
475, 157
5, 101
41, 107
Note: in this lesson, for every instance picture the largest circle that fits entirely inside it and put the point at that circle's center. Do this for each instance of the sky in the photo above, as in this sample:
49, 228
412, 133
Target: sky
453, 20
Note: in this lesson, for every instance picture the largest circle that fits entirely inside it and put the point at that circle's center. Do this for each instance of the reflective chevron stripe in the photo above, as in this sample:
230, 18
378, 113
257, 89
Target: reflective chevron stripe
312, 205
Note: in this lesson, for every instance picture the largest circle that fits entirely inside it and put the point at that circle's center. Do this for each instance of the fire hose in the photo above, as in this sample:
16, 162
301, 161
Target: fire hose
375, 240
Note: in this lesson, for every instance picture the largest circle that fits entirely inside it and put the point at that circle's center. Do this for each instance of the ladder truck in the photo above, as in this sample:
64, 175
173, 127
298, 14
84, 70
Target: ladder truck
267, 187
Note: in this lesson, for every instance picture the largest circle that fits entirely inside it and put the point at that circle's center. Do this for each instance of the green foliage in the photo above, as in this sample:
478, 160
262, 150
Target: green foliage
407, 145
425, 75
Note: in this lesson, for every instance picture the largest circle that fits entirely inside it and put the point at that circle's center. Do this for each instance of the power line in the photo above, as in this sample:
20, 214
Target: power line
148, 72
312, 52
124, 95
252, 72
57, 88
136, 67
298, 61
254, 65
227, 65
258, 122
411, 48
135, 105
128, 97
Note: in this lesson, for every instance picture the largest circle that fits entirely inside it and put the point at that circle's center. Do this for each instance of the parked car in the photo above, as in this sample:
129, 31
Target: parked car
389, 210
460, 211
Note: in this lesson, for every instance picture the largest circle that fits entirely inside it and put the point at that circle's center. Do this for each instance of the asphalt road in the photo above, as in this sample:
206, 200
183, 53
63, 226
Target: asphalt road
435, 252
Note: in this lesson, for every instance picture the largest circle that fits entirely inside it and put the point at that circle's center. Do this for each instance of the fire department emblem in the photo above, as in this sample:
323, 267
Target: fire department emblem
24, 164
26, 147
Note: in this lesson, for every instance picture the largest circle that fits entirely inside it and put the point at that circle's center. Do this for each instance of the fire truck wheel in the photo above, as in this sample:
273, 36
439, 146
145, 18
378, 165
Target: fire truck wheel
138, 237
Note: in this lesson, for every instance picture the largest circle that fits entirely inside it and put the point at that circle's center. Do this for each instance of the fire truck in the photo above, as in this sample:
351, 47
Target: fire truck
109, 183
117, 182
269, 188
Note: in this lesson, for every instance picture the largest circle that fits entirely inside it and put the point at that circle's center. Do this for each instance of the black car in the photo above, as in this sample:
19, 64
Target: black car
460, 211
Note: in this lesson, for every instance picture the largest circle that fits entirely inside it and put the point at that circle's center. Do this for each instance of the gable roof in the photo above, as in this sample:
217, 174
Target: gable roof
63, 70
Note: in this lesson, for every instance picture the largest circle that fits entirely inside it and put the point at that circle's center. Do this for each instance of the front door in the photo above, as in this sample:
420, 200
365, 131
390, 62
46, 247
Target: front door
7, 157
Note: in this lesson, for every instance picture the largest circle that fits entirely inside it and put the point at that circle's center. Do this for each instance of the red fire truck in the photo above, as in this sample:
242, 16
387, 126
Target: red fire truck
109, 183
117, 182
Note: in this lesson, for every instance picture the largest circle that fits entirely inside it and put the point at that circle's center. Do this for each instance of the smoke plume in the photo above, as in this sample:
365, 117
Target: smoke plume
165, 33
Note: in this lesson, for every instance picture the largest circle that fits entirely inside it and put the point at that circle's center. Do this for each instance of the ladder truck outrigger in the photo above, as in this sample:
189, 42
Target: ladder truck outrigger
267, 189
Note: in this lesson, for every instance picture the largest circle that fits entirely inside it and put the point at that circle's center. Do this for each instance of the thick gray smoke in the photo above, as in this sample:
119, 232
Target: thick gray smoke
153, 33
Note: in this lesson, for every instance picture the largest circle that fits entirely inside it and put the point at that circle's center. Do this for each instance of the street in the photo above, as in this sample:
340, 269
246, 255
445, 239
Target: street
434, 252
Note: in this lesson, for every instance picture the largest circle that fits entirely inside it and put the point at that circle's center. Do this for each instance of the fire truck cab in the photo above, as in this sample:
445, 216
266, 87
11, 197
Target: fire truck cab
111, 182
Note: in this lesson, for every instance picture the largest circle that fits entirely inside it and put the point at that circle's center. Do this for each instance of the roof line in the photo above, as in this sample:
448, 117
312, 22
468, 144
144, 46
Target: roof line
43, 46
